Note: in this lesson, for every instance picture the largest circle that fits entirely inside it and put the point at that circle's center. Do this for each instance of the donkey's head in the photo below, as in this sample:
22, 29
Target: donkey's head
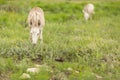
34, 32
86, 15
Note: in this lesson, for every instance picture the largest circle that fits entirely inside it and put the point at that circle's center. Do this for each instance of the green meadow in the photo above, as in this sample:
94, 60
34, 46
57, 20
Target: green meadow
91, 49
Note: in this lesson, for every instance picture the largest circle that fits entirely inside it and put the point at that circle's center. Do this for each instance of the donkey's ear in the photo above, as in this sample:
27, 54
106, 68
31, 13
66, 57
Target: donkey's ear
39, 23
30, 22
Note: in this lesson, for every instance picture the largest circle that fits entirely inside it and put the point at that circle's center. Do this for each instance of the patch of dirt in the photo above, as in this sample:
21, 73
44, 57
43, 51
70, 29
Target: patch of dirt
4, 77
59, 59
38, 59
59, 76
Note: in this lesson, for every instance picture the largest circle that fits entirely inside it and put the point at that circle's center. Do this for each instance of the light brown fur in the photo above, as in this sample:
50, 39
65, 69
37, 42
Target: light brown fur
36, 21
88, 11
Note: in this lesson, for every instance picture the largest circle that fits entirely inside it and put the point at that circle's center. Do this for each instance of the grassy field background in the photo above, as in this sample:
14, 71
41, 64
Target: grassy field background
91, 49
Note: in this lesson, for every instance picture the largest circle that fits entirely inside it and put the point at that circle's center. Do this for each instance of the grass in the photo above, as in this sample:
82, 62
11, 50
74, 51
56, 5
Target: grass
92, 48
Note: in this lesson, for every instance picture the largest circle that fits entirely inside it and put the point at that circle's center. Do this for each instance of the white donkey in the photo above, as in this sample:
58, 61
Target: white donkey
36, 22
88, 11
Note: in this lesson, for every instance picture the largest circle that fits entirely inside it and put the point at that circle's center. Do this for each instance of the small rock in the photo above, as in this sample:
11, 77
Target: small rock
33, 70
99, 77
51, 71
25, 76
37, 65
77, 72
70, 69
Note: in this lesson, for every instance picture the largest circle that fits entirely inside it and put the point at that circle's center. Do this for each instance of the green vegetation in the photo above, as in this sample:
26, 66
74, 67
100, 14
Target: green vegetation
91, 48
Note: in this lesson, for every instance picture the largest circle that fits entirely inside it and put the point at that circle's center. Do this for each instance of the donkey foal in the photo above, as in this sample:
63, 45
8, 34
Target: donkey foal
36, 22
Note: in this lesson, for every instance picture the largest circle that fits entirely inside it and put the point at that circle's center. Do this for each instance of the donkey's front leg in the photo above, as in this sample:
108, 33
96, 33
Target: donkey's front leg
41, 37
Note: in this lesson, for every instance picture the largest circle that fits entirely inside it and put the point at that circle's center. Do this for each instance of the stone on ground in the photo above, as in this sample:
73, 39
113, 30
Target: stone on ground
25, 76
